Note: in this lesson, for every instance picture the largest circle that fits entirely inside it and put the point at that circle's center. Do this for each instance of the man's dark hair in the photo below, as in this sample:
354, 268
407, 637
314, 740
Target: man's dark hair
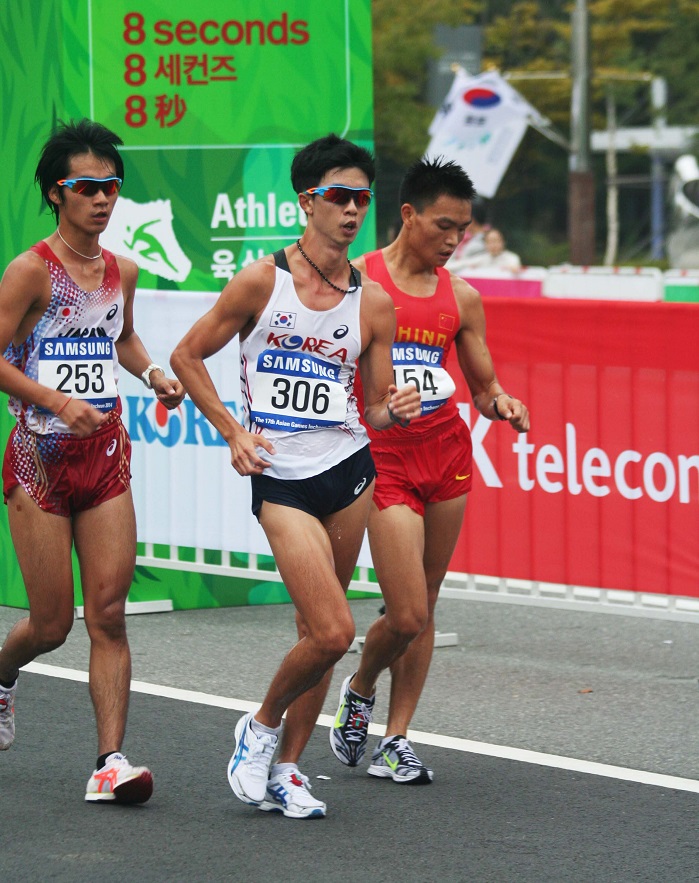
331, 152
426, 180
479, 211
69, 140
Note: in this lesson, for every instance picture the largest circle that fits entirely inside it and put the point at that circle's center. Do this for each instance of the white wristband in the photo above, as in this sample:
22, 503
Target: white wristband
145, 377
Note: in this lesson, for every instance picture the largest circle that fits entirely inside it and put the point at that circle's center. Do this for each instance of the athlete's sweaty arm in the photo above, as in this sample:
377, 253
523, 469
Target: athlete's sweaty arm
234, 313
131, 352
384, 403
476, 362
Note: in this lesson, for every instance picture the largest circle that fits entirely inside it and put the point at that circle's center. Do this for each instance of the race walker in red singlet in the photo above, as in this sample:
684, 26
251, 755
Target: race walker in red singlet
432, 460
71, 349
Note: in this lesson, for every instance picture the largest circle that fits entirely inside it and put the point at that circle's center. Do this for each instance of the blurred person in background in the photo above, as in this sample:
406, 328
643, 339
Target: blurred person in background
496, 256
473, 243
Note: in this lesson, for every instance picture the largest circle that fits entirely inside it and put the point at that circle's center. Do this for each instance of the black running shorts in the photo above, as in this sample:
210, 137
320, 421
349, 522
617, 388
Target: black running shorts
319, 495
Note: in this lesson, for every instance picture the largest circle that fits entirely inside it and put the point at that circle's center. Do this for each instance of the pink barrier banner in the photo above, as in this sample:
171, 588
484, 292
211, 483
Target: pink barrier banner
604, 489
488, 286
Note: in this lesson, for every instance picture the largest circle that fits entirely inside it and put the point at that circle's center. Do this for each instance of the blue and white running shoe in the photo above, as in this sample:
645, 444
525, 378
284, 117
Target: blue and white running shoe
248, 769
289, 792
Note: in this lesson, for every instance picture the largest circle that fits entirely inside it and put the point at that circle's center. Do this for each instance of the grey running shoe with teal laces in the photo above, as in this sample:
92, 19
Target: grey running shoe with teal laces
395, 759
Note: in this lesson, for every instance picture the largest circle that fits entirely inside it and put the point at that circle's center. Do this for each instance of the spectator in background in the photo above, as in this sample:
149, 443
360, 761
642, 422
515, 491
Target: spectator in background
496, 256
473, 243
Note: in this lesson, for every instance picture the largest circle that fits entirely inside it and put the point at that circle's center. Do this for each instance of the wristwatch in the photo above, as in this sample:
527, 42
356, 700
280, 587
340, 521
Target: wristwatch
495, 405
145, 377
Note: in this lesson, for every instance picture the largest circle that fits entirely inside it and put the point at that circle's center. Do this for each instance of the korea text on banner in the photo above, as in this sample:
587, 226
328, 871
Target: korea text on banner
479, 126
604, 489
186, 493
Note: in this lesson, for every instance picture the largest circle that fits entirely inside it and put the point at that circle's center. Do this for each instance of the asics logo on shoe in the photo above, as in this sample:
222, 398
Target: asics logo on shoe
280, 792
289, 793
248, 769
241, 752
117, 780
106, 779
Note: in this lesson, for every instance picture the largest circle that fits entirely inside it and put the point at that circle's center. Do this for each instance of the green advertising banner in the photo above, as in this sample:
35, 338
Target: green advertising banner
212, 100
212, 109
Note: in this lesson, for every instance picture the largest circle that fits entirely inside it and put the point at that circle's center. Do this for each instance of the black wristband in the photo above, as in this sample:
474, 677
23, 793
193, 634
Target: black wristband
495, 406
396, 419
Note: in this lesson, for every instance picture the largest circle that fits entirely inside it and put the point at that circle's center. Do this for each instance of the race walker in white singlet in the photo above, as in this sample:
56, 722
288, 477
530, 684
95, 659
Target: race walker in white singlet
297, 379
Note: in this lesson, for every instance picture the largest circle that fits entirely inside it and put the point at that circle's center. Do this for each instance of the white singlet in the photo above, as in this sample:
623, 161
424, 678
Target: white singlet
297, 380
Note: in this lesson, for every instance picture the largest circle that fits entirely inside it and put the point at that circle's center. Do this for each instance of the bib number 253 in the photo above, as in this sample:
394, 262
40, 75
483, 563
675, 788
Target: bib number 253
80, 378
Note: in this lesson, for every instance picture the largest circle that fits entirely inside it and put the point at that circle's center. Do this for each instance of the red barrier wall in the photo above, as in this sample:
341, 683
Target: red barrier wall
604, 489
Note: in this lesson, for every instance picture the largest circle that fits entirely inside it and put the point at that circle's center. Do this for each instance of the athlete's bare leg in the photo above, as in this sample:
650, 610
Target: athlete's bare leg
304, 553
345, 530
43, 545
397, 540
409, 671
105, 540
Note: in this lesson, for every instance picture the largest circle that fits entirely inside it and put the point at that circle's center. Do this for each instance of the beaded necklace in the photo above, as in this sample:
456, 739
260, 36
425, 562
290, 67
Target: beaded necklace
355, 281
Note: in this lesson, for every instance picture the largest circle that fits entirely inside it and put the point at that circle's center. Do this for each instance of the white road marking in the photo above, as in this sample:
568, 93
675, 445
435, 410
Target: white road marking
505, 752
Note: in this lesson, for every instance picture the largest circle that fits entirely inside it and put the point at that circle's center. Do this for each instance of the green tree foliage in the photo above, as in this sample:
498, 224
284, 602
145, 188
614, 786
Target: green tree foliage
676, 57
403, 46
627, 37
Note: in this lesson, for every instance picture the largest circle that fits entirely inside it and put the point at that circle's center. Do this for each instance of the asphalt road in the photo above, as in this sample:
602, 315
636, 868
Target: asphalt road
590, 687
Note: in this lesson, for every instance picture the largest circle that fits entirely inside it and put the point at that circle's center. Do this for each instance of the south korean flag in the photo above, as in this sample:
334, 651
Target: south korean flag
283, 320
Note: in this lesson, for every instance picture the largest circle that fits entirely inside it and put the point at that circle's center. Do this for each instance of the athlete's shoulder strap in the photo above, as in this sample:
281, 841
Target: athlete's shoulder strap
281, 261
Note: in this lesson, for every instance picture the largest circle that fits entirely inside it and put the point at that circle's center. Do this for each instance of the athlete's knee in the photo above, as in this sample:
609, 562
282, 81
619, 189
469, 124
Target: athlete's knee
433, 588
108, 622
408, 622
340, 643
336, 641
301, 627
48, 636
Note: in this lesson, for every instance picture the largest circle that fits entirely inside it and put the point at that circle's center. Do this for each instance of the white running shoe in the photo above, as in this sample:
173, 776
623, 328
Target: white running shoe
248, 768
289, 792
7, 716
120, 782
